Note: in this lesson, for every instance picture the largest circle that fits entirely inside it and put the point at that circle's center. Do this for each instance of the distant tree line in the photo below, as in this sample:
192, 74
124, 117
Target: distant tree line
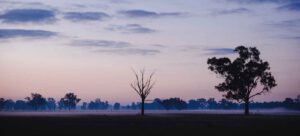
36, 102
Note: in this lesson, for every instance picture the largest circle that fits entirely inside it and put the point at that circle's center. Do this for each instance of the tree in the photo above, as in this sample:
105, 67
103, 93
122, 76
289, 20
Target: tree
36, 101
142, 86
211, 103
297, 99
70, 100
202, 103
243, 75
84, 106
175, 103
288, 103
2, 103
9, 104
20, 105
98, 105
51, 104
133, 106
117, 106
61, 104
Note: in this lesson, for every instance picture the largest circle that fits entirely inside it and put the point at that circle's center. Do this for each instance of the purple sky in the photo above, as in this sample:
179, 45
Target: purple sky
90, 47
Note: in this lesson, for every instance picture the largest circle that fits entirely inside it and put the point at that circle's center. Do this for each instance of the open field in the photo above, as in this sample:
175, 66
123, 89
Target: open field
278, 111
152, 123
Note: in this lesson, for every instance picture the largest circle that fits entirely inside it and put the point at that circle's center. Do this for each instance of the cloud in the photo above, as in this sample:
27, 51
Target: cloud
293, 37
130, 28
113, 47
100, 43
119, 1
287, 23
220, 51
86, 16
290, 7
15, 33
158, 45
289, 27
138, 13
262, 1
231, 11
288, 37
130, 51
28, 16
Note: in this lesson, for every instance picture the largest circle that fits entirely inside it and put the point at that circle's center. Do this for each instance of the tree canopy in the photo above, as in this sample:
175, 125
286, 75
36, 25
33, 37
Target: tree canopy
243, 75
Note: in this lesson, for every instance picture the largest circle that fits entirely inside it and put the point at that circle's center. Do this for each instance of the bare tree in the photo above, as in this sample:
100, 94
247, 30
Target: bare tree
142, 85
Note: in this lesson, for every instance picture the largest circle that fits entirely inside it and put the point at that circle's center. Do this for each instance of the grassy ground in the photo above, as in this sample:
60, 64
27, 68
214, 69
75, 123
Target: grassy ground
171, 124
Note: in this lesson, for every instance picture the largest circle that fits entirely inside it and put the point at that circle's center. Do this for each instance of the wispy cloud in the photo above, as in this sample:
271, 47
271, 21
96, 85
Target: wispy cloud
158, 45
113, 47
293, 37
23, 33
287, 23
86, 16
130, 51
290, 7
100, 43
130, 28
138, 13
231, 11
288, 37
262, 1
28, 16
119, 1
287, 28
219, 51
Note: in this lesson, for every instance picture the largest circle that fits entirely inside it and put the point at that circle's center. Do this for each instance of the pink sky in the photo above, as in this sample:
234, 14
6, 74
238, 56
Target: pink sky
92, 54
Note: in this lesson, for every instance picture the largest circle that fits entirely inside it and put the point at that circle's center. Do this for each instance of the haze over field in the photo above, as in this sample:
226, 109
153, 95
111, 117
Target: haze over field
90, 47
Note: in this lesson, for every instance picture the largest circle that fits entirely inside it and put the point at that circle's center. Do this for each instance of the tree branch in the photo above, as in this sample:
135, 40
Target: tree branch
259, 93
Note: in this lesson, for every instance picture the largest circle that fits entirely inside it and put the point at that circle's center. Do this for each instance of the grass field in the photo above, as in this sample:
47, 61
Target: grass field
153, 124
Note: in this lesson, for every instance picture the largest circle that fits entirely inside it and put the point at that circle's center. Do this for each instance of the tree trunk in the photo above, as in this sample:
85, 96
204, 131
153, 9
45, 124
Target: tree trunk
143, 107
247, 107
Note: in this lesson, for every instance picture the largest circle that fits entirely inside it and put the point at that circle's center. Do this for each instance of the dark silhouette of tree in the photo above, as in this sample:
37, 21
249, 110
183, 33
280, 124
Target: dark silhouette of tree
297, 99
21, 105
37, 101
133, 106
202, 103
288, 103
2, 103
142, 86
70, 100
243, 75
98, 105
9, 104
117, 106
225, 104
61, 104
193, 104
84, 106
155, 105
174, 103
51, 104
211, 103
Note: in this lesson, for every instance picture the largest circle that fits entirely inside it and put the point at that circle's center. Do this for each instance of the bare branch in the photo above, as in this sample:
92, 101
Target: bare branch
142, 85
135, 89
259, 93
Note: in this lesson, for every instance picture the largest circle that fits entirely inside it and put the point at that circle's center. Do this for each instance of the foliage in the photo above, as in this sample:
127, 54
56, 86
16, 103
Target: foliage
243, 75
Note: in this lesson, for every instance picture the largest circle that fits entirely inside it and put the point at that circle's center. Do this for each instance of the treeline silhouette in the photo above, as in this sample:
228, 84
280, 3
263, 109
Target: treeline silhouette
36, 102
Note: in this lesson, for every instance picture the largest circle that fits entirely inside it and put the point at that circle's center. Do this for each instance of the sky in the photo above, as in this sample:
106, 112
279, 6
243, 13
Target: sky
90, 47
